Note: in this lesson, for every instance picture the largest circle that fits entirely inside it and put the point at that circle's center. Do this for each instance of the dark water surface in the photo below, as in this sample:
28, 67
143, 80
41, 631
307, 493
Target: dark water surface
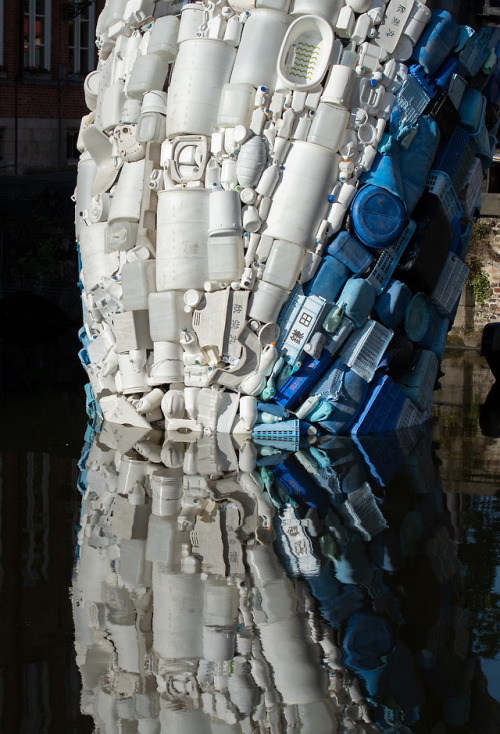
375, 609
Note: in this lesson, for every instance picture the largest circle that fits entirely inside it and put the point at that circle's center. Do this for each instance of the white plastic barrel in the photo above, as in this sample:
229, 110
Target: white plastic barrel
236, 105
328, 126
163, 40
149, 72
138, 281
340, 85
225, 258
256, 60
202, 67
283, 264
300, 201
182, 231
167, 317
132, 469
224, 212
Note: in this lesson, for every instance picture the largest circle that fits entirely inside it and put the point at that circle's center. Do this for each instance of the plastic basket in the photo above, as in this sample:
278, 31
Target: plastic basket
285, 434
386, 264
364, 512
412, 99
449, 285
439, 184
364, 350
476, 50
382, 408
471, 189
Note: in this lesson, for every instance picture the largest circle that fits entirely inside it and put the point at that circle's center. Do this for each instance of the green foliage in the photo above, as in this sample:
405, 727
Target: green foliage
480, 283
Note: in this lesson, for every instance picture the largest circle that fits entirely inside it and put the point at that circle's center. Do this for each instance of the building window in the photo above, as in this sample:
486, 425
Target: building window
37, 34
72, 152
82, 41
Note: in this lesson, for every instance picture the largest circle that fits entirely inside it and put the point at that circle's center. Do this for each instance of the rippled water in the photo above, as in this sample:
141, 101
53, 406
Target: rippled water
357, 591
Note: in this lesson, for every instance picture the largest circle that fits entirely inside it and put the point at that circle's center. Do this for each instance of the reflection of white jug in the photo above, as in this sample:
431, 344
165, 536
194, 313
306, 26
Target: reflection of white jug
305, 53
202, 67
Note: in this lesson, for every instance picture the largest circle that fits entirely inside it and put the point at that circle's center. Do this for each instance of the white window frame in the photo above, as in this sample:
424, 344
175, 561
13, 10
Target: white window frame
32, 17
77, 48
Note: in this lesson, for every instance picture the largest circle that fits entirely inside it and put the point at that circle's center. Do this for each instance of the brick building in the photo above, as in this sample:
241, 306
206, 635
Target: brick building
46, 49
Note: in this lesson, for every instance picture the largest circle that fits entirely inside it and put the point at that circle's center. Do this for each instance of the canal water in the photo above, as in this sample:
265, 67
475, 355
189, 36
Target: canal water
352, 586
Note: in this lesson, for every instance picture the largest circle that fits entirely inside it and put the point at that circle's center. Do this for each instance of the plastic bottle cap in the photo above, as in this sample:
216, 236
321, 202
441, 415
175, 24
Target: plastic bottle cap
378, 216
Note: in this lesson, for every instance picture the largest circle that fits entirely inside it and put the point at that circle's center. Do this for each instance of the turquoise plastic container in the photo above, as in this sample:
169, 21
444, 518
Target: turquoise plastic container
358, 297
390, 306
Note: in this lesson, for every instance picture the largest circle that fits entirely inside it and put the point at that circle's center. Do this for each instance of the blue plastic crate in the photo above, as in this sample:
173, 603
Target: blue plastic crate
299, 384
285, 434
382, 408
456, 157
386, 264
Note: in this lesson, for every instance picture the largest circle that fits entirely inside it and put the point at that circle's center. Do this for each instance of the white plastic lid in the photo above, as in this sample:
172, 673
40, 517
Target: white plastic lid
192, 297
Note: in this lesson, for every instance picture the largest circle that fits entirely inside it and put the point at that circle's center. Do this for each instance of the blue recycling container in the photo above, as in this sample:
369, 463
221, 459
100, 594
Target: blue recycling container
378, 216
390, 306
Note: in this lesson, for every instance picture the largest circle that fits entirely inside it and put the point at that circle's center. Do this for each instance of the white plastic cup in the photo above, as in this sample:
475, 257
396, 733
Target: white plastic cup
202, 67
328, 126
300, 200
340, 86
236, 105
257, 57
266, 302
163, 40
283, 264
182, 231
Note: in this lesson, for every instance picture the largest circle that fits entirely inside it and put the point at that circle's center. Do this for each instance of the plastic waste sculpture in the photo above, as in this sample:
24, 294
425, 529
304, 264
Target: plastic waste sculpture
273, 208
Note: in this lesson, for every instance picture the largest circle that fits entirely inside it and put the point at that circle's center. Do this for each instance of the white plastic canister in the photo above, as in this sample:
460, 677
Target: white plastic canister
182, 231
149, 72
167, 317
138, 281
191, 20
236, 105
225, 258
300, 201
224, 212
167, 364
202, 68
327, 9
328, 126
256, 60
340, 85
96, 262
266, 302
283, 264
163, 40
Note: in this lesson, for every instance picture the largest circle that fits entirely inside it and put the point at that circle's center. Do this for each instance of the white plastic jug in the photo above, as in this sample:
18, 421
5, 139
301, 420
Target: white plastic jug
283, 264
328, 126
236, 105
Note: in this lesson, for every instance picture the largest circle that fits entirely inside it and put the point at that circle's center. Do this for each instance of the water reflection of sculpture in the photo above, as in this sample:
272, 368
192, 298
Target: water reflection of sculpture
365, 630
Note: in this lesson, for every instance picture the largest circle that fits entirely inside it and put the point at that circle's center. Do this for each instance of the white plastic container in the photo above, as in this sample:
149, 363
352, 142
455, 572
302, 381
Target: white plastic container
340, 86
224, 213
163, 40
328, 126
138, 281
96, 262
283, 264
149, 72
87, 170
177, 631
113, 99
126, 201
266, 302
327, 9
282, 5
191, 20
166, 493
236, 105
91, 89
305, 53
167, 364
182, 231
167, 317
225, 258
419, 17
202, 68
251, 162
256, 60
300, 201
369, 95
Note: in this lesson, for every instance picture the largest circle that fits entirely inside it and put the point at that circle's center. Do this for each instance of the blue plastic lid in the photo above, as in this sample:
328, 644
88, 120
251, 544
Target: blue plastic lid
378, 216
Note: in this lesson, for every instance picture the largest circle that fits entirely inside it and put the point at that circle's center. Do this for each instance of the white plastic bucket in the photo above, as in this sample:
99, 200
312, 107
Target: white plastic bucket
283, 264
224, 213
236, 105
256, 60
305, 53
340, 86
202, 68
328, 126
167, 317
300, 201
149, 72
225, 258
266, 302
182, 231
163, 40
